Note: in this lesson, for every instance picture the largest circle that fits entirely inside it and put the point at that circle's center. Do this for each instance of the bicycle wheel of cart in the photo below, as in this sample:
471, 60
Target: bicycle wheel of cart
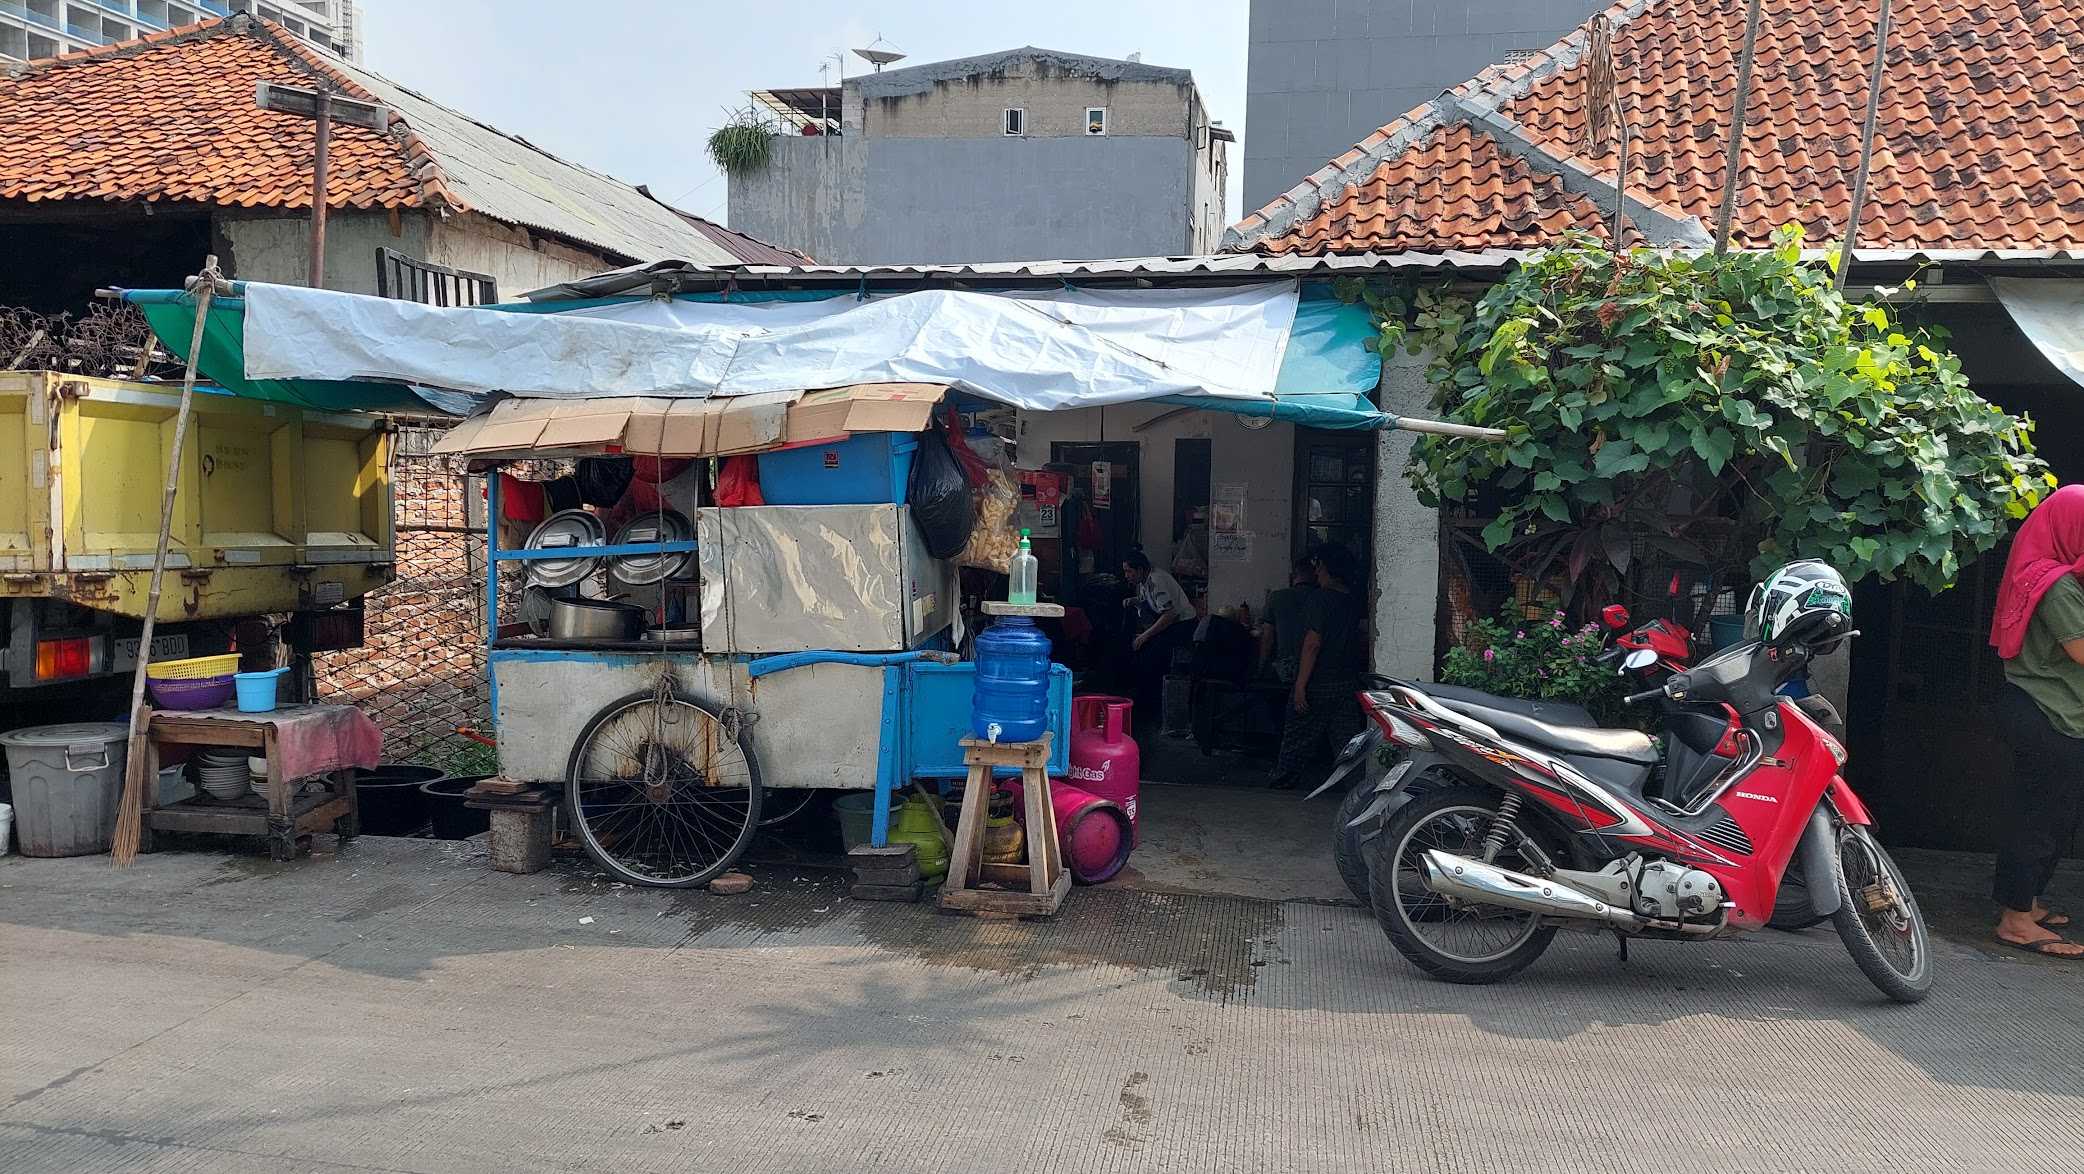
660, 791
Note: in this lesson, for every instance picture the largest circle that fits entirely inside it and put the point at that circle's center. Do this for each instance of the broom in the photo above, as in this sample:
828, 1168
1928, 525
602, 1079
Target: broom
130, 813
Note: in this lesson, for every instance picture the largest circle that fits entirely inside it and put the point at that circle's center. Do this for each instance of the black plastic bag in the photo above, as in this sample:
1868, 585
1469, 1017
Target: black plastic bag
603, 480
940, 497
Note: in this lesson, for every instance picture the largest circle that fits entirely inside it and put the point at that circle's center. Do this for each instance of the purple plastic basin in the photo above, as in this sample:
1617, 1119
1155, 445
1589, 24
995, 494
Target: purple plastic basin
199, 693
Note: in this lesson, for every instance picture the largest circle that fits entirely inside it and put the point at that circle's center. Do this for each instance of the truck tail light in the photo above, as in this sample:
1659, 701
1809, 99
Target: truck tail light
58, 659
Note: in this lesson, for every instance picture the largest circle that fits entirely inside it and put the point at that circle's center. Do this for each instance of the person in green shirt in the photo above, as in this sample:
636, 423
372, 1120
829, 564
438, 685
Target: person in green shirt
2038, 631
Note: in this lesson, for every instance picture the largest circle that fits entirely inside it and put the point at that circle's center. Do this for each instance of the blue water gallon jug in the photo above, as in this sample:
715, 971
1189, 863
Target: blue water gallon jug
1012, 701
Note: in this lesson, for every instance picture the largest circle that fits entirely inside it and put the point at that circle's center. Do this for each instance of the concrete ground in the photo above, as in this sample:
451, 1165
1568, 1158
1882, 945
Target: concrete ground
396, 1006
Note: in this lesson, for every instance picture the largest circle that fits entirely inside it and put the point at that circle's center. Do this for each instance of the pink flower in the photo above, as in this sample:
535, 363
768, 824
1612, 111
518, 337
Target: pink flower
1520, 635
1489, 655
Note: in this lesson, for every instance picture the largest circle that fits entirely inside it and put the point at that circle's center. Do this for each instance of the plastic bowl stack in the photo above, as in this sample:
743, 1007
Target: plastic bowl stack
198, 682
223, 773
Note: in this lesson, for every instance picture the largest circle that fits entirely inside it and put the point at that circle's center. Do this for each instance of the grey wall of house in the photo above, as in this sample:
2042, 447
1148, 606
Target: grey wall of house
277, 248
1407, 535
274, 248
876, 200
1323, 74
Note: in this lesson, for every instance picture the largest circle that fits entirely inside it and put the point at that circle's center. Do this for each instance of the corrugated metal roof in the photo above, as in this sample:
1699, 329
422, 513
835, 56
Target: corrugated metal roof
673, 276
511, 179
683, 276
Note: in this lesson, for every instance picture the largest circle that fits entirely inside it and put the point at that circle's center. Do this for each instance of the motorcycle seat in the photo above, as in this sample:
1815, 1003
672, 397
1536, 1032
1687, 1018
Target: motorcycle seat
1621, 745
1557, 713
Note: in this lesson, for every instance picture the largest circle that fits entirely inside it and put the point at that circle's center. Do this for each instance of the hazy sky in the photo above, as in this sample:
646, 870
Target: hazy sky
633, 87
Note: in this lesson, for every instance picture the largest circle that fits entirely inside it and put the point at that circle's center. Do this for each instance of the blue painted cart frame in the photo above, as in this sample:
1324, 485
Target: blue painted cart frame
924, 702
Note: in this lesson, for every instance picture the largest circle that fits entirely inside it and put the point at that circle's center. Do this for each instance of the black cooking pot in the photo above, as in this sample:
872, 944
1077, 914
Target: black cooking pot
389, 799
444, 801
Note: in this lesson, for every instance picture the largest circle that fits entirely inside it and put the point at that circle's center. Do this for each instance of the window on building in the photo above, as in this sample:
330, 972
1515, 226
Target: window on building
1516, 56
1016, 121
410, 279
41, 47
1096, 120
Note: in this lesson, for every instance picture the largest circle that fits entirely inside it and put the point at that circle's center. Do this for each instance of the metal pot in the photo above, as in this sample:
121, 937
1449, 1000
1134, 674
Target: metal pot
594, 619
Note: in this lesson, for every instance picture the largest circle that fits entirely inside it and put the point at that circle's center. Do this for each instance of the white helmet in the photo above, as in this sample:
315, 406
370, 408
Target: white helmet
1800, 599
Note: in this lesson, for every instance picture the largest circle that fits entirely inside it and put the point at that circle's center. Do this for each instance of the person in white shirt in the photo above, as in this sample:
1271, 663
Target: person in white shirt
1164, 617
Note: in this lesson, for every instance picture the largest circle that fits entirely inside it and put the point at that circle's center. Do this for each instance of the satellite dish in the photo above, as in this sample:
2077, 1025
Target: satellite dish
878, 57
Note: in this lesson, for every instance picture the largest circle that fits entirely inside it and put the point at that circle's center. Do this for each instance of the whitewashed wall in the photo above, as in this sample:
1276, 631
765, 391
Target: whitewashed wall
1262, 460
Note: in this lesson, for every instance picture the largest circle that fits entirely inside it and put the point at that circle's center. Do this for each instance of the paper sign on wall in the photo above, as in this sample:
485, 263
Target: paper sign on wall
1103, 485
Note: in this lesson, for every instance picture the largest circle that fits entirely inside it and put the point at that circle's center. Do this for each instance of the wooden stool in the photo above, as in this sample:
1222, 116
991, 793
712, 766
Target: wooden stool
1043, 876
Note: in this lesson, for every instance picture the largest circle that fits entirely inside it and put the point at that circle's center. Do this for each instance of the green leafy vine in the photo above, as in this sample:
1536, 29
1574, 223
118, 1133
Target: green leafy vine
1737, 411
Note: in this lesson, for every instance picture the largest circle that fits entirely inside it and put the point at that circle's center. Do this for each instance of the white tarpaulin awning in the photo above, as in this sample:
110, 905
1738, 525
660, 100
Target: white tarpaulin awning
1073, 348
2050, 312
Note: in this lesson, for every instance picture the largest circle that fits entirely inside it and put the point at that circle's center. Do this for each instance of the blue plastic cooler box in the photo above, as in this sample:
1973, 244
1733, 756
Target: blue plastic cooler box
867, 468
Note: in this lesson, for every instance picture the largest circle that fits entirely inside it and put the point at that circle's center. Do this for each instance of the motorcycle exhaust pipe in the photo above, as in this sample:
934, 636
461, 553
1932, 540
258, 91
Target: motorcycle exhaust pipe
1473, 880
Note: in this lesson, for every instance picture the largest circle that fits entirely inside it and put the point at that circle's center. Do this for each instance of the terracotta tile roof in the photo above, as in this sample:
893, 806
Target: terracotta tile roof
170, 118
1975, 148
1452, 188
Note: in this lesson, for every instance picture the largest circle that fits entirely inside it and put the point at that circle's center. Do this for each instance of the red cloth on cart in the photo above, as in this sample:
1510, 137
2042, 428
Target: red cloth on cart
521, 501
313, 739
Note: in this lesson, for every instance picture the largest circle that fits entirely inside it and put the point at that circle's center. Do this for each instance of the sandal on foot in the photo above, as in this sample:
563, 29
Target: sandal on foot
2040, 947
2056, 919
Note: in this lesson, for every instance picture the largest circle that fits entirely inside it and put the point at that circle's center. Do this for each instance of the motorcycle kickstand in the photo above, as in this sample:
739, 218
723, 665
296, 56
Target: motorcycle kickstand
1621, 939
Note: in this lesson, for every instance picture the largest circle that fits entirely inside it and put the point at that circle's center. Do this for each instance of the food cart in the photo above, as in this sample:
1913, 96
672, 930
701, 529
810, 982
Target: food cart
787, 647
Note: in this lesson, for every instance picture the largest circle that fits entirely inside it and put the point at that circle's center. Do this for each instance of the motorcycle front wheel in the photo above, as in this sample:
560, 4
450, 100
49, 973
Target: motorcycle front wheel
1878, 919
1457, 941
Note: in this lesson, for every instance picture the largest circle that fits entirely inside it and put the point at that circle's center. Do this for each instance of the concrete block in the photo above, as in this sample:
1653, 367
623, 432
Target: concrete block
521, 840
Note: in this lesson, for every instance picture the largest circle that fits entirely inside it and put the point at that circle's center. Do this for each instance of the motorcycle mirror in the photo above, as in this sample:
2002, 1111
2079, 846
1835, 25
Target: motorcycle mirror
1614, 616
1641, 658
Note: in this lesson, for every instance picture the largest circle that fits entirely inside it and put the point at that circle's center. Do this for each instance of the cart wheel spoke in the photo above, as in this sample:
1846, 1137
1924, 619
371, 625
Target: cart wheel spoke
659, 793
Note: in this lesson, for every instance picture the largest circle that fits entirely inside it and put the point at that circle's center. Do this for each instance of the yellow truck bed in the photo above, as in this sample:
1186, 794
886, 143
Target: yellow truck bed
279, 508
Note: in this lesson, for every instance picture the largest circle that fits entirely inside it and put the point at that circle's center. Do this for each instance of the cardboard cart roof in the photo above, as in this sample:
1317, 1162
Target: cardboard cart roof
690, 427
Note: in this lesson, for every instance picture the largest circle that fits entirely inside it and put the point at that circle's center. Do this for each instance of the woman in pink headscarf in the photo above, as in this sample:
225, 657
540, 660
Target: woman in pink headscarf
2039, 631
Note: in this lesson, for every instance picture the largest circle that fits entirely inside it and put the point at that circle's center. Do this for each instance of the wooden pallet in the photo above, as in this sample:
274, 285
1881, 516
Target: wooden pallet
1038, 887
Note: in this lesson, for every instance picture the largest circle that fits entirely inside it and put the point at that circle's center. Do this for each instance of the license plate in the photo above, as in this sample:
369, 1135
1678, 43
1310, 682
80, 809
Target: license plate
163, 648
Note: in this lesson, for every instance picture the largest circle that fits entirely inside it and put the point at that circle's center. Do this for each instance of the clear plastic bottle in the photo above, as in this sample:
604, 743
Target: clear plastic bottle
1021, 590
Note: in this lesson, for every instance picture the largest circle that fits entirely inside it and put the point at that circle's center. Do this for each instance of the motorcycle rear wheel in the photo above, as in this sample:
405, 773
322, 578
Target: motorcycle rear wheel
1886, 936
1473, 944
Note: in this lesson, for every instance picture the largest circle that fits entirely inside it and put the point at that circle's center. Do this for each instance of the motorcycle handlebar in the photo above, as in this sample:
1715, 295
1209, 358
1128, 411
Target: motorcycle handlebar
1645, 695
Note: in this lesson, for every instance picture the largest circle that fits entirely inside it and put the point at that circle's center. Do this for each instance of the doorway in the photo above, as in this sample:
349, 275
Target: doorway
1335, 495
1106, 484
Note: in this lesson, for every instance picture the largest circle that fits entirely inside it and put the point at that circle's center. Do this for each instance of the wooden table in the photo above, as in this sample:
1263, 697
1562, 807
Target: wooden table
281, 812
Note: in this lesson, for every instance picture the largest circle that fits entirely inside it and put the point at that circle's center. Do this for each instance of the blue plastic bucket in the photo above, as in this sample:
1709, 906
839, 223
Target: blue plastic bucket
256, 691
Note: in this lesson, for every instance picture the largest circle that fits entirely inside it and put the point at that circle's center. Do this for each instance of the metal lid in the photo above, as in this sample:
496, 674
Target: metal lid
654, 526
564, 528
66, 734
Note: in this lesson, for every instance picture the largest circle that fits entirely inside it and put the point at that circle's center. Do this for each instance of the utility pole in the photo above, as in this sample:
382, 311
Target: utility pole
1733, 158
322, 106
1859, 183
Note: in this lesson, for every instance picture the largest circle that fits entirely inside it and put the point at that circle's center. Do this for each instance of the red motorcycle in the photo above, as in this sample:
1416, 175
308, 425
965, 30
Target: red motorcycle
1544, 826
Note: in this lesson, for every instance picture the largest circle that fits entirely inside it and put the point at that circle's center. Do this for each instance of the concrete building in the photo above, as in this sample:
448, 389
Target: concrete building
1323, 73
33, 29
1028, 154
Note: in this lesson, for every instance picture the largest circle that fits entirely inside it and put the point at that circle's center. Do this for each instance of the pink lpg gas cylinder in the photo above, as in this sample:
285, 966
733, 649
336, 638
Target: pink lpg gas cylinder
1104, 758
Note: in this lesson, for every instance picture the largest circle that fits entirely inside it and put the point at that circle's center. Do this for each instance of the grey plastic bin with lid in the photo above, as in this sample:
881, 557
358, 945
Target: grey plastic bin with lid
67, 781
